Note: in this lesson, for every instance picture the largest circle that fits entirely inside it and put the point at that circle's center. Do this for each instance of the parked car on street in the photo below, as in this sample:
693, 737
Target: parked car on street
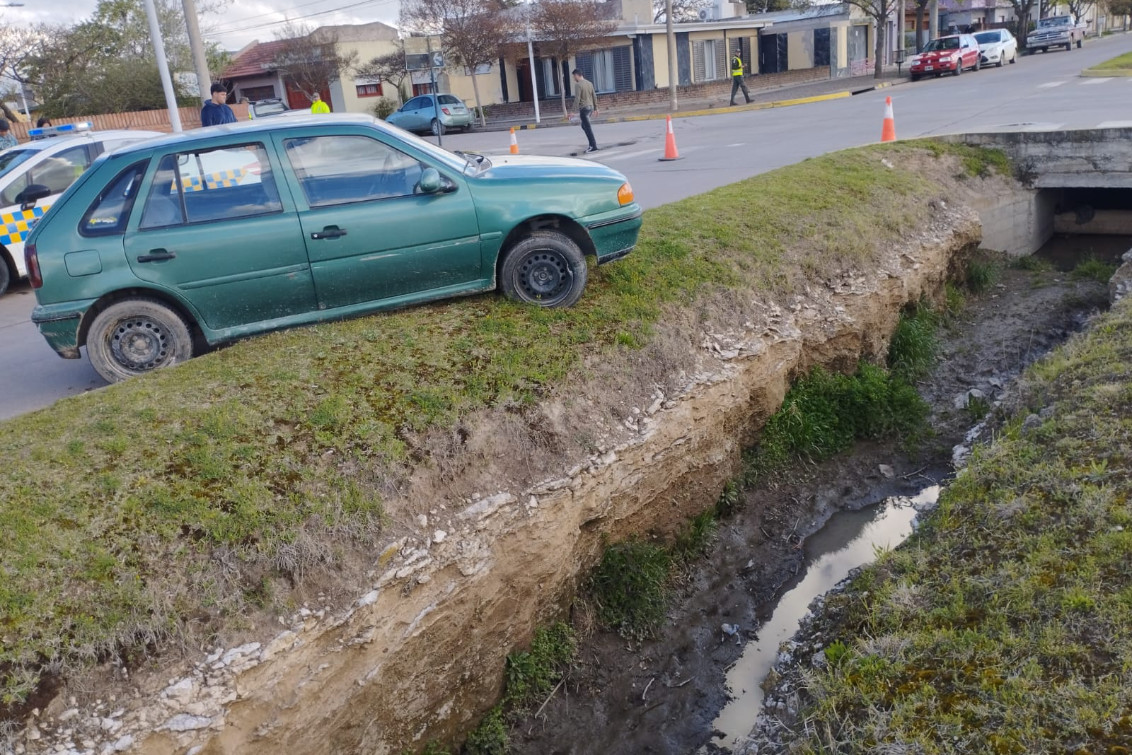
208, 236
996, 47
952, 54
1056, 31
420, 114
45, 166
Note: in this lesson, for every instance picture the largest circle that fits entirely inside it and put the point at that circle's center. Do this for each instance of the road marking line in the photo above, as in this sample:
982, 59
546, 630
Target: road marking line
1087, 82
1049, 84
627, 155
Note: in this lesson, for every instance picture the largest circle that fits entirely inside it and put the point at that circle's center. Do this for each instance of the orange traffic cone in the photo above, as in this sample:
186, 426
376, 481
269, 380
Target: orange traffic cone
888, 130
670, 152
514, 142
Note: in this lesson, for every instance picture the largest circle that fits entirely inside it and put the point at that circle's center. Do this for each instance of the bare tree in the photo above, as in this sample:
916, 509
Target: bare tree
1022, 11
682, 10
470, 31
878, 11
921, 9
18, 47
390, 68
309, 60
563, 27
1079, 8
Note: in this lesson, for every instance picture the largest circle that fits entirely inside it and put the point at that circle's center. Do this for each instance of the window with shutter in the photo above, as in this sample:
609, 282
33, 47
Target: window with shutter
698, 71
623, 68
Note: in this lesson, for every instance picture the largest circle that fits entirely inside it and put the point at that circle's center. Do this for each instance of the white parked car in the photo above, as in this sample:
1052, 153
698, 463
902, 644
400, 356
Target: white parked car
997, 46
55, 158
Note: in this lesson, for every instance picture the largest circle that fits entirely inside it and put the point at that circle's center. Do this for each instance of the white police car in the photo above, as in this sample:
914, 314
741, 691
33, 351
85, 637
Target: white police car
52, 160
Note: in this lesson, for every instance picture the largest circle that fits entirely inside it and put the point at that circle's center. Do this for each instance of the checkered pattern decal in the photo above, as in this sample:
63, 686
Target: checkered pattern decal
14, 226
223, 178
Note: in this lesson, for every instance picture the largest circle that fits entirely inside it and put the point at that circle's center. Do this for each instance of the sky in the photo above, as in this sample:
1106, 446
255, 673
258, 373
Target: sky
241, 22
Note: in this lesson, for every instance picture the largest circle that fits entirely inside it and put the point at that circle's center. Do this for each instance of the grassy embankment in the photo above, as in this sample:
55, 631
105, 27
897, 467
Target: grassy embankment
1119, 64
1005, 624
178, 505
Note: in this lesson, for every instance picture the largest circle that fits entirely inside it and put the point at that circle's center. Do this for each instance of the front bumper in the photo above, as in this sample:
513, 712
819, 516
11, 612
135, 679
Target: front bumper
945, 66
59, 324
615, 234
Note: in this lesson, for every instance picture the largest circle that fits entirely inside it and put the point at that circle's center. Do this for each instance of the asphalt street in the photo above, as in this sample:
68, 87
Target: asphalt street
1040, 92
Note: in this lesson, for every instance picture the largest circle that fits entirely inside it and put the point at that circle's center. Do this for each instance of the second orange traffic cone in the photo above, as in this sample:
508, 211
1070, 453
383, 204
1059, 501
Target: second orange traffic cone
670, 152
514, 142
888, 130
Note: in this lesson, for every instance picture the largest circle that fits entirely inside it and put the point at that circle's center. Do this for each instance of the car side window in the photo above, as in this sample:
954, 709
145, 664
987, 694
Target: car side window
209, 185
108, 214
337, 170
60, 171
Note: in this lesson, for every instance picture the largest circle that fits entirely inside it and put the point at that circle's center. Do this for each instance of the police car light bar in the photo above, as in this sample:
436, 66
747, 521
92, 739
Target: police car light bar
61, 130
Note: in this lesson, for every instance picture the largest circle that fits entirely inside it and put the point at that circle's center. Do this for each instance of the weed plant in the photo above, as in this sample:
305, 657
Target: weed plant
1004, 625
629, 588
1031, 263
532, 674
981, 275
1093, 269
912, 350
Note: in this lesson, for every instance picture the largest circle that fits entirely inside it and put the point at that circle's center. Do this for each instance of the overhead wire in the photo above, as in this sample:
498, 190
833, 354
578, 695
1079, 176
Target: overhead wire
229, 30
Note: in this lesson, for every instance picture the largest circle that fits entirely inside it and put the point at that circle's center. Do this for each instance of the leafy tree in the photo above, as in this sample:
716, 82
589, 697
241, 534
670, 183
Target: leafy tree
564, 27
1120, 7
769, 6
470, 31
309, 60
879, 11
389, 68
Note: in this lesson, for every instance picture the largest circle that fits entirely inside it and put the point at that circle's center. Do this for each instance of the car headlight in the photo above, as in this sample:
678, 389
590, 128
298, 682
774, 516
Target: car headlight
625, 194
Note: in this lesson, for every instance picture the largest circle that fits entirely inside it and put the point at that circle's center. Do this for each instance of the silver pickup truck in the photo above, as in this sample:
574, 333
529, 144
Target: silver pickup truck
1056, 31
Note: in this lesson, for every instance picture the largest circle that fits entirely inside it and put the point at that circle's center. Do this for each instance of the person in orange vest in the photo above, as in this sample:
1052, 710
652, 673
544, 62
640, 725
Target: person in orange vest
737, 79
318, 106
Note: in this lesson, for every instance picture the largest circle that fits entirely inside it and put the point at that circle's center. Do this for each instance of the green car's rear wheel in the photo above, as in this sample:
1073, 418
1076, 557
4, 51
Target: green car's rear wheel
546, 268
135, 336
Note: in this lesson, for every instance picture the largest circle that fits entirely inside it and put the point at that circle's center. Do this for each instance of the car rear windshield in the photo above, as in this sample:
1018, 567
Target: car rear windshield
447, 99
987, 36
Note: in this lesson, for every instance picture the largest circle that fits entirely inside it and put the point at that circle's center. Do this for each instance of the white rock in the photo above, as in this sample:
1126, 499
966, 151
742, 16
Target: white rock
369, 598
240, 651
180, 691
886, 470
422, 520
68, 714
186, 722
439, 536
124, 743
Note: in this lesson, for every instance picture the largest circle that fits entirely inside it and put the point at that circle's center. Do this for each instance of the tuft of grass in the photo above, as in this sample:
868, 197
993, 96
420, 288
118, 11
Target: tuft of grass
981, 275
1093, 269
490, 737
116, 502
1119, 63
696, 539
1031, 263
629, 588
912, 350
531, 675
1005, 623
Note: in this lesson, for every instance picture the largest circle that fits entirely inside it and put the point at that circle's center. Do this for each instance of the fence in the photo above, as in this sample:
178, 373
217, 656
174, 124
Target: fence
145, 120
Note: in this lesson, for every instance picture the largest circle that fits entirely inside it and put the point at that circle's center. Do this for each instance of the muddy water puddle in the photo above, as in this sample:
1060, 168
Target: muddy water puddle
848, 540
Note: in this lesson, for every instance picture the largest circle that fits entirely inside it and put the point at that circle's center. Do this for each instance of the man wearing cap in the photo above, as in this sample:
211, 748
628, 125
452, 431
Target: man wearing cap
7, 139
216, 110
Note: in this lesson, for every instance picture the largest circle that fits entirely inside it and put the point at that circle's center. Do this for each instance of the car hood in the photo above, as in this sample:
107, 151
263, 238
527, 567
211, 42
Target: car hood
538, 166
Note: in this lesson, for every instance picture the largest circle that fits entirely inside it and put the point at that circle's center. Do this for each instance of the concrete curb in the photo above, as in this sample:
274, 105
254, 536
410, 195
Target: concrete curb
1098, 73
703, 111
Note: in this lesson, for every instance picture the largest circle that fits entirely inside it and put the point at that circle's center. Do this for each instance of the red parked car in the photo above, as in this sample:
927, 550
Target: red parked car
946, 55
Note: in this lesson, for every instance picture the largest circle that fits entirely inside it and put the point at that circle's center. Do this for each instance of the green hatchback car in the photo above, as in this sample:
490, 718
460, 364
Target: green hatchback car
180, 243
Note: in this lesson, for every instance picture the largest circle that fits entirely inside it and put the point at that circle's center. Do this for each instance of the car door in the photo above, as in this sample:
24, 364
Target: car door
416, 114
370, 235
215, 229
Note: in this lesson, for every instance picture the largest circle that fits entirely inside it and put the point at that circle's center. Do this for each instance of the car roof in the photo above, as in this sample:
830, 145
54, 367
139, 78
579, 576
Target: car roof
250, 127
41, 145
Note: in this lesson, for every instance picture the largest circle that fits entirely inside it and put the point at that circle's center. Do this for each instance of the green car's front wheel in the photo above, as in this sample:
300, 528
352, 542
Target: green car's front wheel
135, 336
546, 268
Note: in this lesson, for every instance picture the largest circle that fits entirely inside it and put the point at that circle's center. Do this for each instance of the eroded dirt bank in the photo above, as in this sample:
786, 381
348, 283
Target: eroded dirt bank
663, 695
419, 655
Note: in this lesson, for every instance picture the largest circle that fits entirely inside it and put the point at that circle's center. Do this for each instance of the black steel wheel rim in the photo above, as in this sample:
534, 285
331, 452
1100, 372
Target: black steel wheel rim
545, 276
140, 343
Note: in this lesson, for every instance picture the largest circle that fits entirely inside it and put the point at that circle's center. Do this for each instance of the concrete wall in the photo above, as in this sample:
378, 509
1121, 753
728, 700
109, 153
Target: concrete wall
1085, 158
1019, 223
1104, 222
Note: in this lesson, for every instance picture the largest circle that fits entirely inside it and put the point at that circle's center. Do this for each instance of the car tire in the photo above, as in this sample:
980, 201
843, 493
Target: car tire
1001, 60
5, 275
546, 269
959, 68
437, 128
1068, 46
978, 64
1014, 58
135, 336
914, 77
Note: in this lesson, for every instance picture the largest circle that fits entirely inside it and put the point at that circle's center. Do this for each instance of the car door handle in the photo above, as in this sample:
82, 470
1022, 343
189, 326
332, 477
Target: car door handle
156, 255
329, 232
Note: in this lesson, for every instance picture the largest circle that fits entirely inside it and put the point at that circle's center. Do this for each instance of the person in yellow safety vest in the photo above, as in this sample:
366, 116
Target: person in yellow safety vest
737, 79
318, 106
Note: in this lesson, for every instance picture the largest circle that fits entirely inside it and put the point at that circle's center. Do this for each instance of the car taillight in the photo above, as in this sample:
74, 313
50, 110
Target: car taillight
625, 194
31, 258
445, 111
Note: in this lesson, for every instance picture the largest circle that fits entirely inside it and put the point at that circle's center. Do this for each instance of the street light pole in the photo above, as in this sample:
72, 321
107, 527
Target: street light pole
531, 60
196, 44
163, 66
671, 34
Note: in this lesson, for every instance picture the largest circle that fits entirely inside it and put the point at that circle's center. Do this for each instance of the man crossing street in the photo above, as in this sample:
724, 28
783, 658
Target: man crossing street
737, 79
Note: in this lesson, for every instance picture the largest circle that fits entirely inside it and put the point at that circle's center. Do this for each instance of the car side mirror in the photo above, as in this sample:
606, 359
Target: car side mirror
432, 183
32, 194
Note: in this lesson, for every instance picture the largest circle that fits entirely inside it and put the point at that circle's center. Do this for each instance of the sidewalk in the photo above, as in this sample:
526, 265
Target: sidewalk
781, 96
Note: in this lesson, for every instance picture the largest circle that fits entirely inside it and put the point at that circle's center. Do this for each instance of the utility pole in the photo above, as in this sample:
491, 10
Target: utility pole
435, 94
196, 44
671, 34
163, 66
531, 63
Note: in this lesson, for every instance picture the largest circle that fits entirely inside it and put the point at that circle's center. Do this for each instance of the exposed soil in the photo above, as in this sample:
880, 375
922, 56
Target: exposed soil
663, 695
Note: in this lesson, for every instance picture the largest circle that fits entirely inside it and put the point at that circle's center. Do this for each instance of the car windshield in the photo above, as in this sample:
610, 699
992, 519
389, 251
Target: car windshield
269, 108
947, 43
987, 36
10, 158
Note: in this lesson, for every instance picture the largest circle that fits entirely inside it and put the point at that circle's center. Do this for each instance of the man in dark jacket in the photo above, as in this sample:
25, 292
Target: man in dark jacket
216, 110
